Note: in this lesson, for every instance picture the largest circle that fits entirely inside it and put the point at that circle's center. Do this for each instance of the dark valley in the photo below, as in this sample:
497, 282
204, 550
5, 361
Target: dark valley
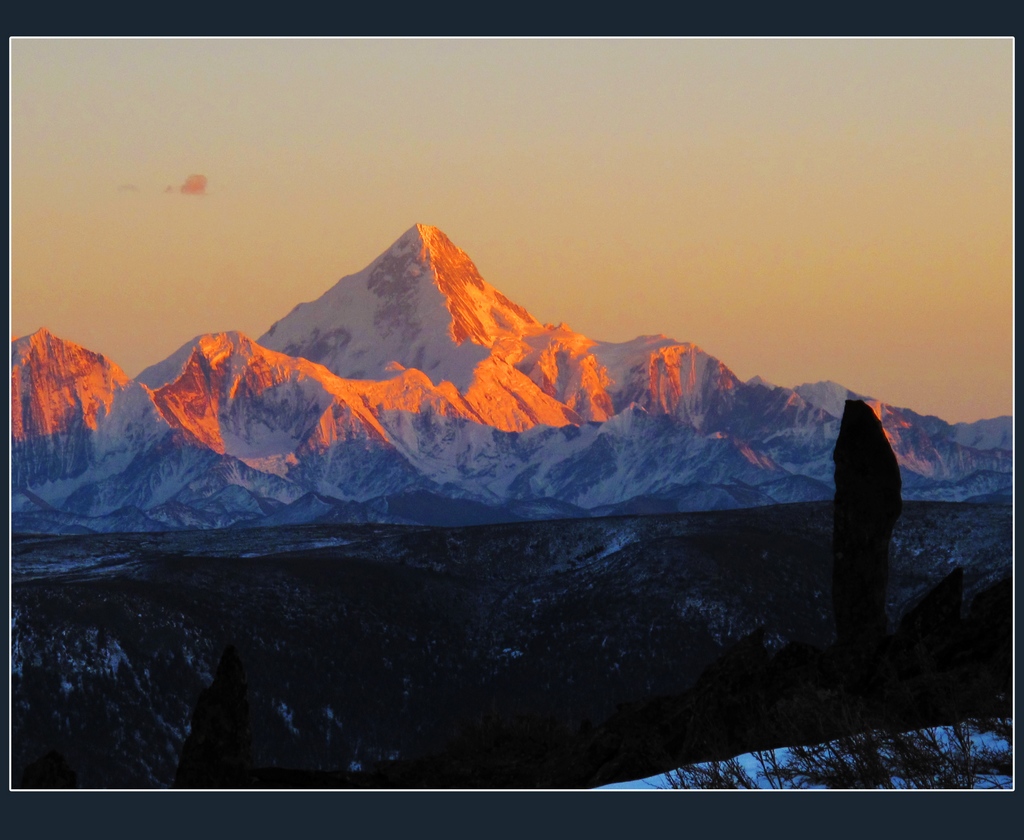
363, 643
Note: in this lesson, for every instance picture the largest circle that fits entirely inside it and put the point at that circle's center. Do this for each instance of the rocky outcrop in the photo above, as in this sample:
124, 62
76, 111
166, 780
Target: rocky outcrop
867, 505
218, 750
938, 609
937, 669
49, 772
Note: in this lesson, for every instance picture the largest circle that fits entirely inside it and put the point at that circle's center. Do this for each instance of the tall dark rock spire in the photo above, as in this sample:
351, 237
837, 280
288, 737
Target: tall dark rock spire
218, 750
867, 505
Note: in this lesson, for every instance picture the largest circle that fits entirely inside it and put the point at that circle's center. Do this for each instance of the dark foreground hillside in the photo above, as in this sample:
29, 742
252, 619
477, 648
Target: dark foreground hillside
369, 642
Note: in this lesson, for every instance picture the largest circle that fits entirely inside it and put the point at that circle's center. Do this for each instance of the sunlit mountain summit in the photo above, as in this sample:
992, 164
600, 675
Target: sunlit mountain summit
421, 304
414, 390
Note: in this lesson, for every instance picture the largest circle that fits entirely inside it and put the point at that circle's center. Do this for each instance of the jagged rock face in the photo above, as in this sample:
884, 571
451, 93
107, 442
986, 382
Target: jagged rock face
218, 750
867, 505
75, 416
60, 392
236, 397
57, 386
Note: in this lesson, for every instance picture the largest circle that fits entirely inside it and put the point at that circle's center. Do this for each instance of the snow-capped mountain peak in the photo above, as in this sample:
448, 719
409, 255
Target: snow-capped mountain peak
421, 304
828, 396
236, 397
415, 375
75, 416
56, 384
764, 383
480, 313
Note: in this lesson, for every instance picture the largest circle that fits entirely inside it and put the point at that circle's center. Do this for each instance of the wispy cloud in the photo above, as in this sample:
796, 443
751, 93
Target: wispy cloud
194, 185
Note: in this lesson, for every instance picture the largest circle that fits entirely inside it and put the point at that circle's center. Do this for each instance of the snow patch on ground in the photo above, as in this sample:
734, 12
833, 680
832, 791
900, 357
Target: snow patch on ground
112, 656
980, 741
617, 542
286, 715
275, 548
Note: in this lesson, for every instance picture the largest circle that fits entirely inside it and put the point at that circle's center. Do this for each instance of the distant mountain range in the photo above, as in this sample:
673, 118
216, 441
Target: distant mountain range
414, 391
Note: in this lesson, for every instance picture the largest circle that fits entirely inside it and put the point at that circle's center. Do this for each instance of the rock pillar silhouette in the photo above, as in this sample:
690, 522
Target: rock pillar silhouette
867, 505
50, 771
218, 750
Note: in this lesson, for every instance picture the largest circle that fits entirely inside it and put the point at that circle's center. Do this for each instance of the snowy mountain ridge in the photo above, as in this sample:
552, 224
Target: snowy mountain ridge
416, 376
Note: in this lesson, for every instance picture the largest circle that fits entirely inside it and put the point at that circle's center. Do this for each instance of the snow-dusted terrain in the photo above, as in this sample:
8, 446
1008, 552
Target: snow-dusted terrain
367, 641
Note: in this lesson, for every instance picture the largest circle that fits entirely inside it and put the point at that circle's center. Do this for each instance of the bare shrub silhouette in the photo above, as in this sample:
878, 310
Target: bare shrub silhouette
971, 753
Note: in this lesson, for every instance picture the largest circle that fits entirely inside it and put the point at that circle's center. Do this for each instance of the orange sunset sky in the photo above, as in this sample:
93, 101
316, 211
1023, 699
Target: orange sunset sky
801, 209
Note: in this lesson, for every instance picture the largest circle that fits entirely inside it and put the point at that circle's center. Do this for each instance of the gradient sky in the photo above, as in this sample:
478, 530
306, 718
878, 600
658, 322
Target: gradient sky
800, 209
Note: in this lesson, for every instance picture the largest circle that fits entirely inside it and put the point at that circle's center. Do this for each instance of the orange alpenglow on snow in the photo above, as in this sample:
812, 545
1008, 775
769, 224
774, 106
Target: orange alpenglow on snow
422, 305
411, 374
223, 369
55, 382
